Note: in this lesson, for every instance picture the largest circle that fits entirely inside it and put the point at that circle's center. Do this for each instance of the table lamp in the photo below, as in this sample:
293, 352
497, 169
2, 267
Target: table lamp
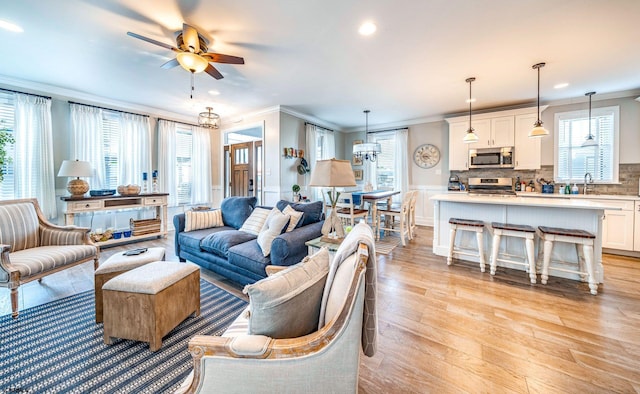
332, 173
76, 168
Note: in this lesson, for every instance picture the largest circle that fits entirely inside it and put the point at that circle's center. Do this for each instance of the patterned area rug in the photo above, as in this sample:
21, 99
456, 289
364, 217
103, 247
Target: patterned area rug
58, 348
387, 243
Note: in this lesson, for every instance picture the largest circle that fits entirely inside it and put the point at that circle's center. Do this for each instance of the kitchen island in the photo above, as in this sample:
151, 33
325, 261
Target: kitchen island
552, 212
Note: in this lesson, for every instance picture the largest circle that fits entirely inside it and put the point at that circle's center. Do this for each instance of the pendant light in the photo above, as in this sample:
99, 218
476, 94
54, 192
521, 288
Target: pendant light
538, 130
368, 150
590, 141
470, 137
209, 119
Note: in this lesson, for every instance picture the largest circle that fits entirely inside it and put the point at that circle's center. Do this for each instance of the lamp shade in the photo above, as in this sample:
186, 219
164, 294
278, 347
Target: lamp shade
538, 131
332, 173
367, 147
75, 168
192, 62
470, 137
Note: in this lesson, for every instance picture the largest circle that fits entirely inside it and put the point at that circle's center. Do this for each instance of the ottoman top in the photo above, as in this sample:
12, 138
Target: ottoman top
151, 278
120, 262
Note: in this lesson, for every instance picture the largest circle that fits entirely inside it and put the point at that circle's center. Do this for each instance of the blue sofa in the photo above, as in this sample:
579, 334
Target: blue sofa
235, 254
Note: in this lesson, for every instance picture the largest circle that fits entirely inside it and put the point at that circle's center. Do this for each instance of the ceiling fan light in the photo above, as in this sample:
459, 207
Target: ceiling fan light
192, 62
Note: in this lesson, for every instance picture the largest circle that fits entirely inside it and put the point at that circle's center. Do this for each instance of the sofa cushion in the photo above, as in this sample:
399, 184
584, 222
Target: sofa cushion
248, 256
312, 211
192, 239
295, 217
235, 210
255, 221
275, 224
220, 242
287, 304
34, 261
196, 220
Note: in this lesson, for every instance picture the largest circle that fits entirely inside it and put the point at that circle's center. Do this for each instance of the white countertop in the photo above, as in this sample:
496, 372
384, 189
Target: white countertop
541, 201
581, 196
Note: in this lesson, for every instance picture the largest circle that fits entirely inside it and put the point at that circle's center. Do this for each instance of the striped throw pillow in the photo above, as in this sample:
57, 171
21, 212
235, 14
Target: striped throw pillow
295, 217
197, 220
255, 221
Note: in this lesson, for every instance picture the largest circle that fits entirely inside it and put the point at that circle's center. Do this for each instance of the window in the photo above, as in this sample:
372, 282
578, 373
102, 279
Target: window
572, 160
184, 142
6, 122
385, 163
111, 149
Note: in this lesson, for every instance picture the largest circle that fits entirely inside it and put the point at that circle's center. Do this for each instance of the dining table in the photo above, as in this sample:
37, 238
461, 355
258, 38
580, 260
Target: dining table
373, 197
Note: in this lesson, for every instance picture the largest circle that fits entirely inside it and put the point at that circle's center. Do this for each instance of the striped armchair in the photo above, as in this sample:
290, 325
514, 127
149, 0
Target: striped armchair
33, 248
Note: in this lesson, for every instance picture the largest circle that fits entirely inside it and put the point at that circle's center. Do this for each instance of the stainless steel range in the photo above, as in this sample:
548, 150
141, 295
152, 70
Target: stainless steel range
491, 186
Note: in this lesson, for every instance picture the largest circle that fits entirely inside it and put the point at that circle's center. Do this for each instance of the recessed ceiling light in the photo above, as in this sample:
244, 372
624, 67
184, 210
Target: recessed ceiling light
367, 28
561, 85
214, 92
470, 100
10, 26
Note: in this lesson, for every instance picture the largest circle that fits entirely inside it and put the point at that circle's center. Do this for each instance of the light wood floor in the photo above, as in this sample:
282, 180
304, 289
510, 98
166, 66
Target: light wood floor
455, 329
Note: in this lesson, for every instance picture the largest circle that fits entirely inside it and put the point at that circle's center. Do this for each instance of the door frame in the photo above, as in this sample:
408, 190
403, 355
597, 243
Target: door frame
224, 168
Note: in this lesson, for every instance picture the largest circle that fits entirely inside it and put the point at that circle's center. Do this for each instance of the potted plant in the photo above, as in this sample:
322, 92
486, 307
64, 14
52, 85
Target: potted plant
5, 139
296, 193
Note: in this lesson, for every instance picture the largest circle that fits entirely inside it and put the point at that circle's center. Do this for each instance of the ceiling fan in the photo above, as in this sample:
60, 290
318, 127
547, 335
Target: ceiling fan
191, 52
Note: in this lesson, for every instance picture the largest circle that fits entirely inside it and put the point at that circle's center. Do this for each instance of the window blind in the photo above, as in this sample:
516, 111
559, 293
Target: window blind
6, 122
385, 163
184, 144
111, 146
573, 160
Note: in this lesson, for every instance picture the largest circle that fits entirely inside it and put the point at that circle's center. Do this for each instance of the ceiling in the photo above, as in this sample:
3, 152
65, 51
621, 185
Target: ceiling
308, 56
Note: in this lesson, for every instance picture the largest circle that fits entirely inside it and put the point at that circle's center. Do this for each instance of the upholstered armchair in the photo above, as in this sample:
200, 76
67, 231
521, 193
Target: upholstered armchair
326, 360
33, 248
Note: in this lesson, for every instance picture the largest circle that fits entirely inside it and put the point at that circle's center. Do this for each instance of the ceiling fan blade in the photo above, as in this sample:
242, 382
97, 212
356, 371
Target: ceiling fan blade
220, 58
170, 64
213, 72
190, 38
152, 41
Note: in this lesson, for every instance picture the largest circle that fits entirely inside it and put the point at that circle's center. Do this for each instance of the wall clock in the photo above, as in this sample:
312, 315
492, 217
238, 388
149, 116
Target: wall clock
426, 156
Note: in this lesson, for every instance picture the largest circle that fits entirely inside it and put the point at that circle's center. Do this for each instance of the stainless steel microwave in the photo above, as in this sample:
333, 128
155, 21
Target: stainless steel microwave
491, 158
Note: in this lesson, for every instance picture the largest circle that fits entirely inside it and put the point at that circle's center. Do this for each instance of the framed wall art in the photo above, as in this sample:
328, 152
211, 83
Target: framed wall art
357, 174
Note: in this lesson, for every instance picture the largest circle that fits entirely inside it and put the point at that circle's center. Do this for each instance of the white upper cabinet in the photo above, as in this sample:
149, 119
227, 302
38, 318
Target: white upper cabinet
527, 150
496, 130
458, 150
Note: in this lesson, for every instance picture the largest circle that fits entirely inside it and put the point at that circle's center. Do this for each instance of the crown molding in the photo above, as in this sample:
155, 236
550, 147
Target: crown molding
309, 118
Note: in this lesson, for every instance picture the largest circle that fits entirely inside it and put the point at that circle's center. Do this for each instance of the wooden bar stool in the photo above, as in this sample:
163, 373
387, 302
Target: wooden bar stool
578, 237
527, 233
476, 226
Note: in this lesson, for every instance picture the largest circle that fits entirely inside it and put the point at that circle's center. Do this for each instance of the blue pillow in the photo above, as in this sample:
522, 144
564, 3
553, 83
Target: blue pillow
235, 210
312, 211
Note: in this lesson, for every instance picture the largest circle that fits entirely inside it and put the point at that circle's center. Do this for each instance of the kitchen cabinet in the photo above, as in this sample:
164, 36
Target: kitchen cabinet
458, 150
636, 232
617, 226
527, 150
494, 132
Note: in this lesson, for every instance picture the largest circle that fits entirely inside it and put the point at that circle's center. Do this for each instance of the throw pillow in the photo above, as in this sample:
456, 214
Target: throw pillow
273, 227
236, 210
312, 210
295, 217
287, 304
255, 221
196, 220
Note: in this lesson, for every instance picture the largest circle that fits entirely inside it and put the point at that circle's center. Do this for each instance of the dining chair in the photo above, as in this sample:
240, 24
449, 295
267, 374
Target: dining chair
347, 211
403, 213
412, 214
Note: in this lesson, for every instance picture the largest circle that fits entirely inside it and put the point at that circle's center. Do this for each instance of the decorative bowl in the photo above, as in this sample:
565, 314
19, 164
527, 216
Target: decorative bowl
129, 190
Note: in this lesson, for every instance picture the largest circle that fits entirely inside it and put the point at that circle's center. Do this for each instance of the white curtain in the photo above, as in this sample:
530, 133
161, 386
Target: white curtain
33, 166
86, 141
201, 166
135, 149
167, 163
325, 139
401, 171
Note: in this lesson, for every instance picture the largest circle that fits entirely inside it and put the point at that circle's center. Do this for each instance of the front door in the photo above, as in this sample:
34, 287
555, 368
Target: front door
242, 179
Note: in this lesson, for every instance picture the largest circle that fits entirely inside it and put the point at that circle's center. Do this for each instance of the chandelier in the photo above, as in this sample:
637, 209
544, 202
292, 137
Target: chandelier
368, 150
209, 119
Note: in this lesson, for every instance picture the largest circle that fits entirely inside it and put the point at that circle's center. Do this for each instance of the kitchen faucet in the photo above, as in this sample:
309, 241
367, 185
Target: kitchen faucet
587, 175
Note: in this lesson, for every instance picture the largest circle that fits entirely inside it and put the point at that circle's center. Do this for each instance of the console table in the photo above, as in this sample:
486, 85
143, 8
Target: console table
74, 205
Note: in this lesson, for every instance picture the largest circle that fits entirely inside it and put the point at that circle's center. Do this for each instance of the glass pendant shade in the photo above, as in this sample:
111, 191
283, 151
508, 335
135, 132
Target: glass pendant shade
590, 141
192, 62
538, 130
471, 136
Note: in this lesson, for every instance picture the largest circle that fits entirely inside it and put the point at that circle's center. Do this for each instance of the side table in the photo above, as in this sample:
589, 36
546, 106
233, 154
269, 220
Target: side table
315, 244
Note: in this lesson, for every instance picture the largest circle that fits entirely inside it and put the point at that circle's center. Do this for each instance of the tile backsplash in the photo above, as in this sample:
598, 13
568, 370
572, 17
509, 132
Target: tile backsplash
628, 177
